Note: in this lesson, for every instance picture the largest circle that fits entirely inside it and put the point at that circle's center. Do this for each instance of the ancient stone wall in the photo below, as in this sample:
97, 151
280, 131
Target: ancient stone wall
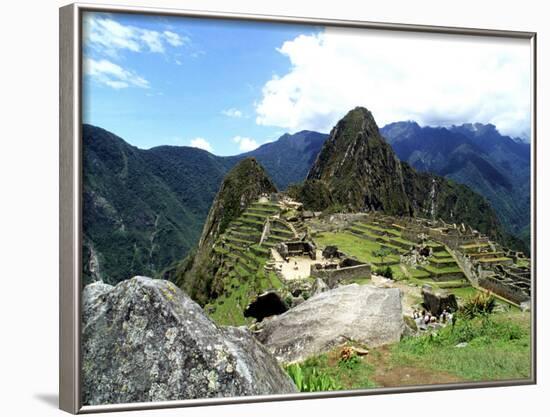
504, 290
333, 277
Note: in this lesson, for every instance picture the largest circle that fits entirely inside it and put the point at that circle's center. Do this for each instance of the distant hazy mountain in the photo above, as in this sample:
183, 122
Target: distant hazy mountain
144, 209
288, 159
476, 155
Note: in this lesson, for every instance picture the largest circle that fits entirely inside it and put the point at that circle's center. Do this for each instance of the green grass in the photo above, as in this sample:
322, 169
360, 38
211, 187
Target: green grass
418, 273
497, 348
443, 270
361, 281
342, 377
464, 292
522, 262
441, 260
352, 245
441, 254
493, 260
229, 309
404, 241
473, 246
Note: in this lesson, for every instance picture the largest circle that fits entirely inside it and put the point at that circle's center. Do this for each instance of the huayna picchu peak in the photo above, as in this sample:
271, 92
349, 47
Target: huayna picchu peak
357, 170
360, 168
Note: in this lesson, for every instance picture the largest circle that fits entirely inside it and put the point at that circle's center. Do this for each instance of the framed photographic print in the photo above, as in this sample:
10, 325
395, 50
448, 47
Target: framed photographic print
259, 208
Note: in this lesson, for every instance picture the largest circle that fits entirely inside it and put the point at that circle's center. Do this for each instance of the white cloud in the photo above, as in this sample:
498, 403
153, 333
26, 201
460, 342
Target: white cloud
153, 40
232, 112
106, 35
433, 79
175, 39
245, 144
201, 143
112, 75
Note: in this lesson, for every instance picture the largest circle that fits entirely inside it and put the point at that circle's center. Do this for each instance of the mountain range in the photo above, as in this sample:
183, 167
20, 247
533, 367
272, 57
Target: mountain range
476, 155
144, 209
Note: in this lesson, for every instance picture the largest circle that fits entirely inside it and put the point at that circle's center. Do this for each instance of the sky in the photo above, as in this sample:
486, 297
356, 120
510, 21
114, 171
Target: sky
229, 87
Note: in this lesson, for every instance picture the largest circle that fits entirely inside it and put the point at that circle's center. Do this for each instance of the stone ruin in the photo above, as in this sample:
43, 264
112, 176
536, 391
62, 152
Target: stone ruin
490, 265
345, 269
296, 248
437, 301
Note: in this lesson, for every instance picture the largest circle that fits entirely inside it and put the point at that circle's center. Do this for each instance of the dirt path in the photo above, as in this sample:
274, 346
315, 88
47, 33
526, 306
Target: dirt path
387, 375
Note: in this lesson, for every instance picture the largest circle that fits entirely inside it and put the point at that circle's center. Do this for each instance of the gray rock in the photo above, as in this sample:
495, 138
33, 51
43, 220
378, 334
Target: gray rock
145, 340
362, 313
318, 287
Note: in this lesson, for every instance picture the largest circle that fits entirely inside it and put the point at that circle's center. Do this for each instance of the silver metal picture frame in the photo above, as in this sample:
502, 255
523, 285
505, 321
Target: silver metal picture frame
70, 203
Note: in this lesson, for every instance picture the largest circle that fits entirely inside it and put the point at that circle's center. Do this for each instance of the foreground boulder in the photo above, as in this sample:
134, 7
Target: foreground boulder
145, 340
353, 312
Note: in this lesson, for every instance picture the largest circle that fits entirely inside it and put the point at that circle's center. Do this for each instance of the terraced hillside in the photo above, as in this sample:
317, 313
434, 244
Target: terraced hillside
383, 245
421, 251
242, 252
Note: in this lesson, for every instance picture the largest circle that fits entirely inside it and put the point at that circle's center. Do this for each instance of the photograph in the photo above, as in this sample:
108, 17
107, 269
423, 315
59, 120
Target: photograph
291, 208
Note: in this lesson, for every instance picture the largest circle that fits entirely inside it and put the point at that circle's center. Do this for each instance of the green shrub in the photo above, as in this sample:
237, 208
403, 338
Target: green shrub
384, 271
310, 379
349, 363
480, 304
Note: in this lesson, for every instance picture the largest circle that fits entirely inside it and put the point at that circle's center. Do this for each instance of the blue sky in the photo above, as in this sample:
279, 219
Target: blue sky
200, 88
228, 86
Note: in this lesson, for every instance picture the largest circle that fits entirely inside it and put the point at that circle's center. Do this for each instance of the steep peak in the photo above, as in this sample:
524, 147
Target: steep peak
358, 167
249, 164
242, 186
359, 117
245, 183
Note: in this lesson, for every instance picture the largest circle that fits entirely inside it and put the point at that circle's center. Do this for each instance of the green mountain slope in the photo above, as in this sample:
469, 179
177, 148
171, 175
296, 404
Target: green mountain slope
142, 209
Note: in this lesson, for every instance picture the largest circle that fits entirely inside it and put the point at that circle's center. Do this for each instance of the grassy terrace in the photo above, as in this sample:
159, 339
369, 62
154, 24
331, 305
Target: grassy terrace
443, 270
377, 229
486, 254
494, 260
255, 216
446, 260
441, 254
384, 241
355, 246
242, 270
418, 273
473, 247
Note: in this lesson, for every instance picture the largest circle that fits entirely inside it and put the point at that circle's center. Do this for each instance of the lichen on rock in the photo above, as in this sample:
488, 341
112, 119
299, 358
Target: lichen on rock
145, 340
